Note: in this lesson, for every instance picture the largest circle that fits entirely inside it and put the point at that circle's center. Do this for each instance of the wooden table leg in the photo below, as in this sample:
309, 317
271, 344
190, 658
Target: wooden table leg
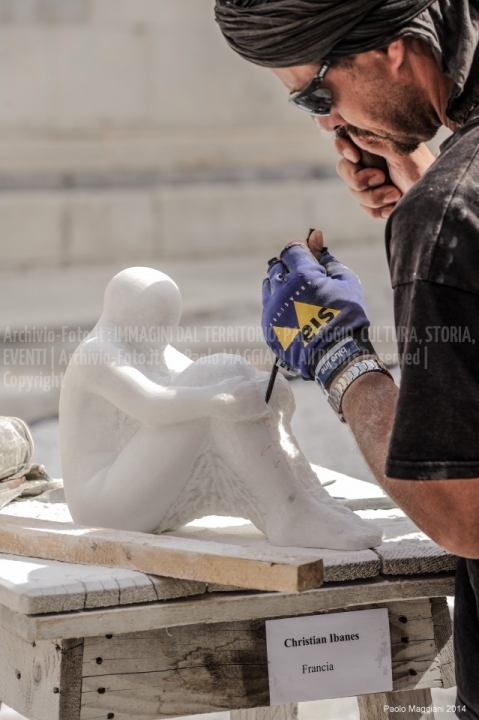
404, 705
276, 712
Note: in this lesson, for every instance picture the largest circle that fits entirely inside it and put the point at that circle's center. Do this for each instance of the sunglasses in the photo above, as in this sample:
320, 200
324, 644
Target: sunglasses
313, 98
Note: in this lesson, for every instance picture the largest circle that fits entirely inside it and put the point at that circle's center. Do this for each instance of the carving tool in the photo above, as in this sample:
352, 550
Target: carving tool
280, 363
272, 379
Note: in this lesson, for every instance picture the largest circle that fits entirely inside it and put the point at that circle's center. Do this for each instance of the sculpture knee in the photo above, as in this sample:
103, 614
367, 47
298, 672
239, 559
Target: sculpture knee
212, 369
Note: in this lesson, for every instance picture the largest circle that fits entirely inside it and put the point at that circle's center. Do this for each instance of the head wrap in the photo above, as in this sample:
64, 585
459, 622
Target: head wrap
280, 33
284, 33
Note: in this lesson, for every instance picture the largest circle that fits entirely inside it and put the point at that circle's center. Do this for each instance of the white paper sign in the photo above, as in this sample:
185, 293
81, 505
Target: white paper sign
328, 656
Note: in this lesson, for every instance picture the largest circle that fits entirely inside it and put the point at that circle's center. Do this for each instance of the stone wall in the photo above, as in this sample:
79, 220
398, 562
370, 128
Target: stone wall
129, 130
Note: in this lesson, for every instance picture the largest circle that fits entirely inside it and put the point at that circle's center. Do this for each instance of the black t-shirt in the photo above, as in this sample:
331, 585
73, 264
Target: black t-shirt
433, 251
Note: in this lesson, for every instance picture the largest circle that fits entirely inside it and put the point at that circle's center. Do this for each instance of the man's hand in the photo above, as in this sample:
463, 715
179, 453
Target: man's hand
367, 184
311, 305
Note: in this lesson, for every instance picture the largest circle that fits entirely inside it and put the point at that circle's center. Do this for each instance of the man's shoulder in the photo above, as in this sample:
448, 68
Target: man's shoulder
433, 234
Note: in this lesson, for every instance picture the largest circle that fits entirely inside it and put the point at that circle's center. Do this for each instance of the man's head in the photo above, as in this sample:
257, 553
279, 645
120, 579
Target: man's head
390, 95
384, 77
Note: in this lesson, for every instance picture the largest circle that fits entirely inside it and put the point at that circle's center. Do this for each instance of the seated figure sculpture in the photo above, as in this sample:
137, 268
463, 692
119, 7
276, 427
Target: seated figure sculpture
151, 440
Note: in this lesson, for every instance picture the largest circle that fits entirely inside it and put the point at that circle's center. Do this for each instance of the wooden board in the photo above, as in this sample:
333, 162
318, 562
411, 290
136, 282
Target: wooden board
272, 569
442, 635
406, 550
339, 565
223, 607
276, 712
39, 679
195, 669
201, 668
46, 586
382, 706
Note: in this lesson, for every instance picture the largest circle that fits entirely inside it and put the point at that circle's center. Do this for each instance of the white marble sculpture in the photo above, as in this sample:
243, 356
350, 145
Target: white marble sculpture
151, 440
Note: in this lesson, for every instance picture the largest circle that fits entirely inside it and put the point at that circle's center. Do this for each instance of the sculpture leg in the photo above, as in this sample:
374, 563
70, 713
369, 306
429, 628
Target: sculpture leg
285, 498
145, 481
271, 482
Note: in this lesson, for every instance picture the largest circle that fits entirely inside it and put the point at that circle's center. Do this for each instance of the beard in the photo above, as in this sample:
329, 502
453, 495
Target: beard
408, 120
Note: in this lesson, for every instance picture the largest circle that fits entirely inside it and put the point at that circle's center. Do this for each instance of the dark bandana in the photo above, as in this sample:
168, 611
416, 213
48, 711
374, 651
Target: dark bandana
281, 33
284, 33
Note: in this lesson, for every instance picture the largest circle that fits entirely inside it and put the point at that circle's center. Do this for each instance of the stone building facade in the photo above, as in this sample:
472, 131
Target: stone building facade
129, 131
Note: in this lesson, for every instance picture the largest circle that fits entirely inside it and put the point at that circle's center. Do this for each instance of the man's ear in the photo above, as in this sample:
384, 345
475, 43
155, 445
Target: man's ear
388, 59
394, 54
391, 56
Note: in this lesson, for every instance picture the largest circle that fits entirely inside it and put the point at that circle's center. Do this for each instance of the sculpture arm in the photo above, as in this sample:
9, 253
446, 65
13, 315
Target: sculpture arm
153, 404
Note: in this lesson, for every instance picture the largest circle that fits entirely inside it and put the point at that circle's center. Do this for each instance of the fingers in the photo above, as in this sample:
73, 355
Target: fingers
358, 178
366, 185
298, 255
372, 145
378, 198
344, 146
316, 242
266, 290
334, 268
381, 213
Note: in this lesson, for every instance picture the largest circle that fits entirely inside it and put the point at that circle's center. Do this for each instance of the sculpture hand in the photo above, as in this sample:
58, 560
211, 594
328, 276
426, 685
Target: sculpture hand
239, 399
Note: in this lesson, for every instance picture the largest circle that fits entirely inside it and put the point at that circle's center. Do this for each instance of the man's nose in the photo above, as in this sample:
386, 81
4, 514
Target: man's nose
329, 122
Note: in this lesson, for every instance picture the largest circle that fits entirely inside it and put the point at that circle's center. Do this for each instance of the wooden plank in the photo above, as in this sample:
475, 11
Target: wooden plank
176, 671
412, 558
406, 550
219, 607
444, 640
71, 679
415, 656
205, 668
45, 586
38, 679
413, 704
272, 569
276, 712
338, 565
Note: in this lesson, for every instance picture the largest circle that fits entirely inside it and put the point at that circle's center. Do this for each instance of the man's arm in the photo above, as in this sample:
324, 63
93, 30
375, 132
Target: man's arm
429, 428
446, 510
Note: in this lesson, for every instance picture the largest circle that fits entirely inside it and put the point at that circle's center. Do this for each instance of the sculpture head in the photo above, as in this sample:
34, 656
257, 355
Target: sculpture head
142, 298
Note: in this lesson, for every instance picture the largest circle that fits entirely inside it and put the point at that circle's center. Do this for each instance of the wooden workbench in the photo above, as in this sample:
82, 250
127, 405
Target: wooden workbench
83, 642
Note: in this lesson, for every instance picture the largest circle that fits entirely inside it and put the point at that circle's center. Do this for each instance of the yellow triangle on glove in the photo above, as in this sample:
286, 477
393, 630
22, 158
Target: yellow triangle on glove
313, 318
285, 335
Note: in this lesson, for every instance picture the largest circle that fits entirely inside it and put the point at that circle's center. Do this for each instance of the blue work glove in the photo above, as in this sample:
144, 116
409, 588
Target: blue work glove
314, 312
